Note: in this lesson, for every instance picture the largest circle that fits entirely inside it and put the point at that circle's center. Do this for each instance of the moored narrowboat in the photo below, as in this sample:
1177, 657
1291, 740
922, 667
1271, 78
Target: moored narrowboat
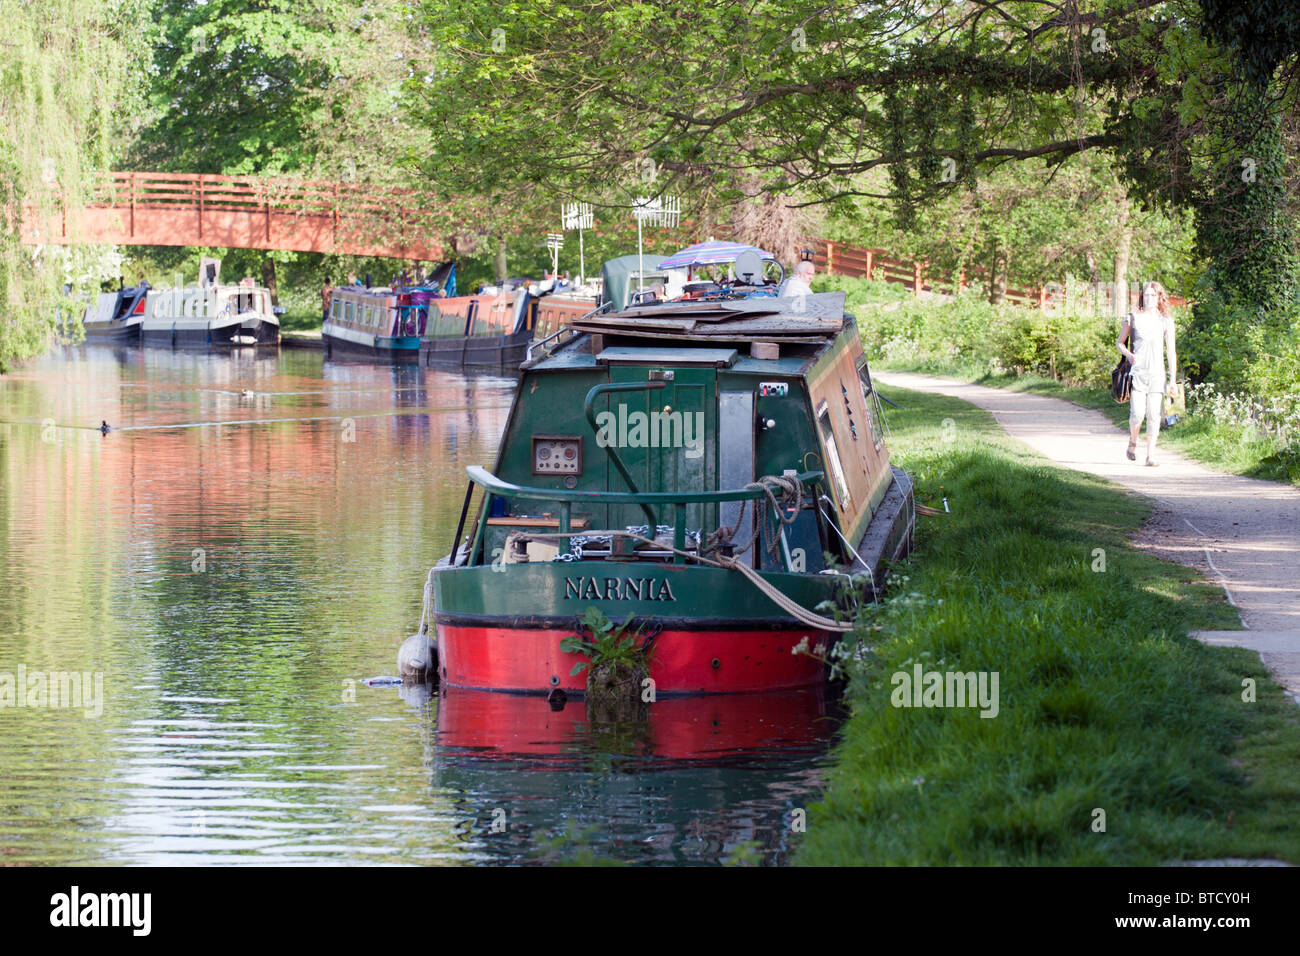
373, 323
117, 316
385, 324
211, 314
686, 468
491, 329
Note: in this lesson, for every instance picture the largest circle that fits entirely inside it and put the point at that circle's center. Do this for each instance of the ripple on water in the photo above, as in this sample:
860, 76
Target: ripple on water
233, 569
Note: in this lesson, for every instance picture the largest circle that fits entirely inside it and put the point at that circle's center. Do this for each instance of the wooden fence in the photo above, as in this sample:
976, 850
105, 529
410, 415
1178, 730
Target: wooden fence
835, 258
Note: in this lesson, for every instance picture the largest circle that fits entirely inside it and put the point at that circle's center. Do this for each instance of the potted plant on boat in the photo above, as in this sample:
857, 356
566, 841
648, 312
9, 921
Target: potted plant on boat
616, 666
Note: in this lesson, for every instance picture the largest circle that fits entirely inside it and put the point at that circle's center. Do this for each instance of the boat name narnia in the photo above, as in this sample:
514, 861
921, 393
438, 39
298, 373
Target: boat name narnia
618, 589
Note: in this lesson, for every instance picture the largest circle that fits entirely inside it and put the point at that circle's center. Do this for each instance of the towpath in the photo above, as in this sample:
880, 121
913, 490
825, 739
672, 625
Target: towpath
1241, 532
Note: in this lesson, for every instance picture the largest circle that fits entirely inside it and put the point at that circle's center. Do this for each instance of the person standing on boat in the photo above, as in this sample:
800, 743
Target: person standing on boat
1148, 330
801, 282
325, 300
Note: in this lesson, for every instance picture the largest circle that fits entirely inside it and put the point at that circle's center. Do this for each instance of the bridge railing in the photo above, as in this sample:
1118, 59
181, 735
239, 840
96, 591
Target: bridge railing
210, 191
359, 218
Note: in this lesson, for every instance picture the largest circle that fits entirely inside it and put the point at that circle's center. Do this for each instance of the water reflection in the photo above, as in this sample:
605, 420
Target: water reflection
248, 543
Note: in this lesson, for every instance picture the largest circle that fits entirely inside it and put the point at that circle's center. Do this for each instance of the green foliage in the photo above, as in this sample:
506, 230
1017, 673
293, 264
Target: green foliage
928, 110
302, 86
608, 645
1069, 220
1243, 224
1245, 420
1244, 347
898, 328
1259, 34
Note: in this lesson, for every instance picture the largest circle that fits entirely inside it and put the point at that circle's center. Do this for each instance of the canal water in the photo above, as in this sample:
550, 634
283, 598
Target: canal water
224, 572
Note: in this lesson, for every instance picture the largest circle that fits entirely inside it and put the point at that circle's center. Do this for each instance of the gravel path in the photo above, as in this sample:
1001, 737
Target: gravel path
1242, 532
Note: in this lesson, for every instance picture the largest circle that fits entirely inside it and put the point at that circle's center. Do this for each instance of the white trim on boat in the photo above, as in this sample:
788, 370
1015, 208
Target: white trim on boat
208, 308
367, 339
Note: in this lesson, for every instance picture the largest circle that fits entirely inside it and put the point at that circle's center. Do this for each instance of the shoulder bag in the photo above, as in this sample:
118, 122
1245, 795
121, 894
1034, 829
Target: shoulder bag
1121, 379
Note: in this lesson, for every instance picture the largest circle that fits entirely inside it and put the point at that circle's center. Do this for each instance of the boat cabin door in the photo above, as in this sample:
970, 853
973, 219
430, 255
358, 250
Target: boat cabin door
666, 438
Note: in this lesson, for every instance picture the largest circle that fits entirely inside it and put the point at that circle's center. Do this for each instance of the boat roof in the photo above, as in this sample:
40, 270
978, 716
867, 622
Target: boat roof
573, 359
717, 333
762, 318
362, 290
218, 287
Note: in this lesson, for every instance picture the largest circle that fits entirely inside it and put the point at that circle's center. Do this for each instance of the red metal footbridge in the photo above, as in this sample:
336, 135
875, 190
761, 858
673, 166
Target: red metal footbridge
245, 212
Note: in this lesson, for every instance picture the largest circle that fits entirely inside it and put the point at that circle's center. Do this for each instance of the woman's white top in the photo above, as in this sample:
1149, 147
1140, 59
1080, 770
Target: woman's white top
1147, 344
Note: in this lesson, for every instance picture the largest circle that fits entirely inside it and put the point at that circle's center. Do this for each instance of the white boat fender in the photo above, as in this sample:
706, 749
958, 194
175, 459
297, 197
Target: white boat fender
417, 658
418, 655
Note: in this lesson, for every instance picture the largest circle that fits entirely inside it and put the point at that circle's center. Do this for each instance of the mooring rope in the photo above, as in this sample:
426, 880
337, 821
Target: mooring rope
791, 490
428, 600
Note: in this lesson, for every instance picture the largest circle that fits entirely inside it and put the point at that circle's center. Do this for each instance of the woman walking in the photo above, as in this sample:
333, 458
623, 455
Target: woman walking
1148, 330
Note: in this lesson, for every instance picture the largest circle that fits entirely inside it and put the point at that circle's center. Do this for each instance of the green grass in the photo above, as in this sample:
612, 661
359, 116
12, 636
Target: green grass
1104, 701
300, 320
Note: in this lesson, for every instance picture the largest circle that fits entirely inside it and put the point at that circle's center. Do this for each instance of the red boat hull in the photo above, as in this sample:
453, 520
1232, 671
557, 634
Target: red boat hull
500, 657
678, 728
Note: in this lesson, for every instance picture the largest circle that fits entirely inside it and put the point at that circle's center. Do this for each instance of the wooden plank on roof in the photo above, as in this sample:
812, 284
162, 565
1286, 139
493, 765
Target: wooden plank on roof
742, 337
775, 324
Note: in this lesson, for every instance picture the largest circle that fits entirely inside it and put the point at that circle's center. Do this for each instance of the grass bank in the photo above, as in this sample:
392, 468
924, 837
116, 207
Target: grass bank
1104, 703
301, 320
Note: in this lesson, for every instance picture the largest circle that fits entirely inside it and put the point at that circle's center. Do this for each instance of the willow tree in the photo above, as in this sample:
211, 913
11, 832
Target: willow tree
66, 69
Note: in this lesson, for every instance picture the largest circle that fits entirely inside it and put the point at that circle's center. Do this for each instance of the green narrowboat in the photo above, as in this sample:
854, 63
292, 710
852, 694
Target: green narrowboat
707, 471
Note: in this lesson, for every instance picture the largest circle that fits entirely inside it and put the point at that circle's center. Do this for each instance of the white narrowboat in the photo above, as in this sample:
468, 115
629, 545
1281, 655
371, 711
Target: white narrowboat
208, 315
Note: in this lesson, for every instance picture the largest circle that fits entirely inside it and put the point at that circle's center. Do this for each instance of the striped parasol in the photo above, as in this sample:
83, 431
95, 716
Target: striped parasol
713, 252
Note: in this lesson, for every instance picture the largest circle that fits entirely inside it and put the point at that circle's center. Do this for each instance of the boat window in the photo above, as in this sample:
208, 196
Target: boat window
348, 313
832, 453
864, 375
